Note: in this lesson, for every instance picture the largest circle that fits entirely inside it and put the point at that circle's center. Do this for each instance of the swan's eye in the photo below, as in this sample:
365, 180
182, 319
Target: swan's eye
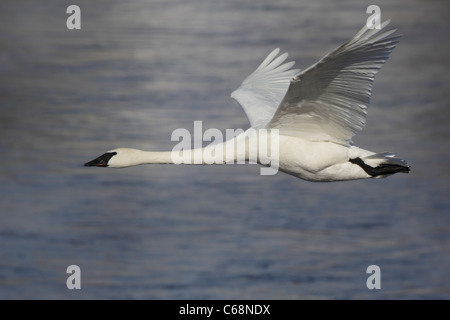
101, 161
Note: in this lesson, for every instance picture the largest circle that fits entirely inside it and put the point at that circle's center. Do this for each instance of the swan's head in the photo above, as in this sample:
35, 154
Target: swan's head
117, 158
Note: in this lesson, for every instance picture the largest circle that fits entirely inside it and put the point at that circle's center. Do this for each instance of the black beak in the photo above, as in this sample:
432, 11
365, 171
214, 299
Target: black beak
101, 161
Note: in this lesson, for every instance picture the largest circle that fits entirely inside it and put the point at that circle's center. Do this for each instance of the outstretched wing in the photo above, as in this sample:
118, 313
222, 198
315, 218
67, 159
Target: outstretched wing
328, 101
261, 92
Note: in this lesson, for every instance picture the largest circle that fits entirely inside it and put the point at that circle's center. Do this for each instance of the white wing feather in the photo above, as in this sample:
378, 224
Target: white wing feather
261, 92
328, 101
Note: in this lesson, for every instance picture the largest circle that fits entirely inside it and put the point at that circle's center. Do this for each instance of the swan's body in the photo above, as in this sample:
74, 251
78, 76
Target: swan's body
316, 113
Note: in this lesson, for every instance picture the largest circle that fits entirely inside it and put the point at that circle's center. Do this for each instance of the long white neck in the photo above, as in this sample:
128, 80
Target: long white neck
244, 147
226, 152
191, 156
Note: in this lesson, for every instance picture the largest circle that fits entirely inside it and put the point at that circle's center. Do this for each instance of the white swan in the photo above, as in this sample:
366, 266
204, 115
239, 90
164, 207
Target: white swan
316, 111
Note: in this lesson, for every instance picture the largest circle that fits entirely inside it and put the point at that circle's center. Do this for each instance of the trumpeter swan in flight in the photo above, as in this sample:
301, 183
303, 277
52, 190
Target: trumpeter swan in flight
316, 113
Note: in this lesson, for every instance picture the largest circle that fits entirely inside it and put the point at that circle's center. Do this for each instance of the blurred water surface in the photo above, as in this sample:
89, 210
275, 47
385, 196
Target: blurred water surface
139, 69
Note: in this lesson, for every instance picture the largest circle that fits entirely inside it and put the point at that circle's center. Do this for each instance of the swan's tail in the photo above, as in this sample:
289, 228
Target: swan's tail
381, 165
